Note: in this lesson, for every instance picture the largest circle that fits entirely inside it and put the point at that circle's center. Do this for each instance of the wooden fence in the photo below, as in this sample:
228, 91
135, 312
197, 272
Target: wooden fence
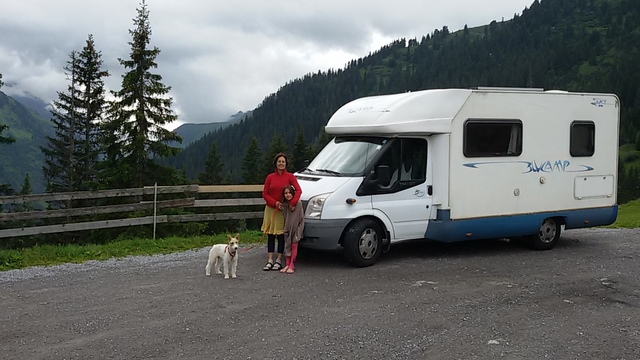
129, 201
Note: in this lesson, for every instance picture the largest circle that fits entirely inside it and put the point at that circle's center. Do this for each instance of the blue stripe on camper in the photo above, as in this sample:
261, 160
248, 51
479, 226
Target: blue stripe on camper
446, 230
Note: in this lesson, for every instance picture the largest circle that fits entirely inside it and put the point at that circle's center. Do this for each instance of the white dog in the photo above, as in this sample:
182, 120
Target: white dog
225, 255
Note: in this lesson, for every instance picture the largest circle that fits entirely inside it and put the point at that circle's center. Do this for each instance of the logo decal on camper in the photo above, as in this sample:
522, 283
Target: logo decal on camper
360, 109
546, 166
599, 102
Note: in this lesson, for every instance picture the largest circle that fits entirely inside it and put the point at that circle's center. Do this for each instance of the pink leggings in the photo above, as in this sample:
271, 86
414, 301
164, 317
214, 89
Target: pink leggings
291, 259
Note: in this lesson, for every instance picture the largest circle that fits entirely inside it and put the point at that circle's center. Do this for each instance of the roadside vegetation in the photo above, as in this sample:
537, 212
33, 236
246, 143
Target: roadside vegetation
45, 255
628, 216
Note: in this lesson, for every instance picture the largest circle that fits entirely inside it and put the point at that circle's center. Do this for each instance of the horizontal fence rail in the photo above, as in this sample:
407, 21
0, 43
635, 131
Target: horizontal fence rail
78, 204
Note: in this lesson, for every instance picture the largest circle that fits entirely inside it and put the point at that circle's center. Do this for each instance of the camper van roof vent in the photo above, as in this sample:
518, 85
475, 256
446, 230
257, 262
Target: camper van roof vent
508, 89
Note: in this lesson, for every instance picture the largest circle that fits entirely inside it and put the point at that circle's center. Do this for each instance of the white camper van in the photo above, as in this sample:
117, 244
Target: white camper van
461, 164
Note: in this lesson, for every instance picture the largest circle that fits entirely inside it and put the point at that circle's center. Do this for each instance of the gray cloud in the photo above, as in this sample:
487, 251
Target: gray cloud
219, 57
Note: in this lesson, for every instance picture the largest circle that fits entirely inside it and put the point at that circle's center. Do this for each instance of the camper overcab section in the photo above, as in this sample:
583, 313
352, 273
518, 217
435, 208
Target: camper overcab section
461, 164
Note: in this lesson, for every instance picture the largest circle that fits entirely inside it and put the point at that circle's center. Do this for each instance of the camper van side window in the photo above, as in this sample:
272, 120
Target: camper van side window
489, 138
582, 138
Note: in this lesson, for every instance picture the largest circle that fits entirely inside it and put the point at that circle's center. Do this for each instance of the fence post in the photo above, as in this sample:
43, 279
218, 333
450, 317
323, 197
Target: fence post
155, 206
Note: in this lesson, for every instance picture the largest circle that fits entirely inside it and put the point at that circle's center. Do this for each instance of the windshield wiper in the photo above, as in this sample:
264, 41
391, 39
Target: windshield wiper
328, 171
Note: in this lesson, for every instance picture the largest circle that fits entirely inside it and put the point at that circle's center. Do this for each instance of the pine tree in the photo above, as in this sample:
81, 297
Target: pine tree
276, 146
26, 185
59, 167
250, 173
212, 174
93, 106
26, 190
72, 154
133, 133
300, 154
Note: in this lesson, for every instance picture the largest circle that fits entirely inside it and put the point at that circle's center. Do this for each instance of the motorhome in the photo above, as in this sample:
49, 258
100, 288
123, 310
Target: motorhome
461, 164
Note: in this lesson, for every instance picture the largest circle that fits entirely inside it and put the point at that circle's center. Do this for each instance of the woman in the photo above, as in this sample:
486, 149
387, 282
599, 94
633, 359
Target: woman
273, 221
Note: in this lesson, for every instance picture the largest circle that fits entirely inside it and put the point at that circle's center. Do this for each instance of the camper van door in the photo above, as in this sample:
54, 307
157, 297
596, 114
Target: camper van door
405, 200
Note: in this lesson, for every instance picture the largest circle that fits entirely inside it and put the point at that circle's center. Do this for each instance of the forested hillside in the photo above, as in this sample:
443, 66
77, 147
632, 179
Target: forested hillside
23, 156
574, 45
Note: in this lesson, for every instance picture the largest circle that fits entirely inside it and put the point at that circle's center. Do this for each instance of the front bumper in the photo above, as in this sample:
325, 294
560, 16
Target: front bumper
323, 234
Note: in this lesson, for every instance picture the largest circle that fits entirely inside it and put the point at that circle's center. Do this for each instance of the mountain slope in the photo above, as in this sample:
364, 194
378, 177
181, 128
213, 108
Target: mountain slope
23, 156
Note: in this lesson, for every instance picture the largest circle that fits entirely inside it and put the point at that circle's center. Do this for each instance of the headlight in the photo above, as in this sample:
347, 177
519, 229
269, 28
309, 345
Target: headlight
314, 207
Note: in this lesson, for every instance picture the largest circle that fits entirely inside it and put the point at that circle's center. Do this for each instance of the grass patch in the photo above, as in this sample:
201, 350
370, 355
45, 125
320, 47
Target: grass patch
44, 255
628, 215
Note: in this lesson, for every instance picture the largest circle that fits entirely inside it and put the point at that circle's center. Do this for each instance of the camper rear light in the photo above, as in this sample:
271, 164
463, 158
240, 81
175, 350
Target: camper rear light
315, 205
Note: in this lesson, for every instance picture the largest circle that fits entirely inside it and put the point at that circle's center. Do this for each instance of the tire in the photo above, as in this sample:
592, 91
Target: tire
547, 235
363, 242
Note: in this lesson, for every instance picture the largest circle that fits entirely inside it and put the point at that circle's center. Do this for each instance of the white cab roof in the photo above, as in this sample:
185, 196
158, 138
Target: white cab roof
420, 113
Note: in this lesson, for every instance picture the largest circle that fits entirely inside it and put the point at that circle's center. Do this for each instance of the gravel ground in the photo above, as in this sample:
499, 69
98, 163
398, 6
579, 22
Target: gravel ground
423, 300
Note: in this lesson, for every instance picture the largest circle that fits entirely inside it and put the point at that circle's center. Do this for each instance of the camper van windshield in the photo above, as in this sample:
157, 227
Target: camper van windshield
346, 156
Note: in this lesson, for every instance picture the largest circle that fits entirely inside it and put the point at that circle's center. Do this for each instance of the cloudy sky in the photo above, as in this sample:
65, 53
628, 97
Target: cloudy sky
219, 57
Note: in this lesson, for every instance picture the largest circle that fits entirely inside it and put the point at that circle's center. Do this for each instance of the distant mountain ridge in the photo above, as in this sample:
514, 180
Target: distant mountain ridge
191, 132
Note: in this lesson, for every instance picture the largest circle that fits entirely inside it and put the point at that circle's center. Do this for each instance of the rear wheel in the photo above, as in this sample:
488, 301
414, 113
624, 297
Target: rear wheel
547, 235
363, 242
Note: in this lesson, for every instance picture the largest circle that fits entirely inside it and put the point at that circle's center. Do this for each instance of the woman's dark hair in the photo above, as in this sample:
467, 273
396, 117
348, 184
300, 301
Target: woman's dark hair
275, 160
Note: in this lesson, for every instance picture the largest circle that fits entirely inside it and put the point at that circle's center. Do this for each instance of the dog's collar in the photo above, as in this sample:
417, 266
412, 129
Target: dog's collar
232, 254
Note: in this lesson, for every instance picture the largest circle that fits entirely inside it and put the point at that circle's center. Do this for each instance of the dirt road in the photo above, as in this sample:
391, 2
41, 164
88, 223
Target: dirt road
482, 300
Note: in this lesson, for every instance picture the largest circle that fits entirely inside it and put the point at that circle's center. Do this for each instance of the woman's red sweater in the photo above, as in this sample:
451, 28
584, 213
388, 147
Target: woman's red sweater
274, 185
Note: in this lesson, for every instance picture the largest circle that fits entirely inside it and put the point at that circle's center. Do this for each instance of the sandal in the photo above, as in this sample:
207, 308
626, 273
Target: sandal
284, 269
268, 266
276, 266
290, 271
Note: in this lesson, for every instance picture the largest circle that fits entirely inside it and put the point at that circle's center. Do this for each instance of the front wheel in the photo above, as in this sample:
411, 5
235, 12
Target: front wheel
363, 242
547, 235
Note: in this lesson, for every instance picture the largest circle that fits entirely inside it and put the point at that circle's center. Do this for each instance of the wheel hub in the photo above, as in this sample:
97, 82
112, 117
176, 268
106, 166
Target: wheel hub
369, 243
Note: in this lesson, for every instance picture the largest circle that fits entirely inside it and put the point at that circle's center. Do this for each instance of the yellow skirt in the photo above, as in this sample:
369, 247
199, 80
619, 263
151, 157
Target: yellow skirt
272, 225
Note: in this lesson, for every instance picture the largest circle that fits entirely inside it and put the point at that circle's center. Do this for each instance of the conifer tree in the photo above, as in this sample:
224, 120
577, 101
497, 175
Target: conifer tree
26, 190
250, 172
72, 154
92, 105
26, 185
300, 152
212, 174
59, 164
134, 135
276, 146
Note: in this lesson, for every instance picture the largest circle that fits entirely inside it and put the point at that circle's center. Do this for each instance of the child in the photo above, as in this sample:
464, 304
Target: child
293, 227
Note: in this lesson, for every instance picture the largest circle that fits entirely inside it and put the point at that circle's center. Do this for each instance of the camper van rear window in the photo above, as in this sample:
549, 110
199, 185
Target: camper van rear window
489, 138
582, 142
